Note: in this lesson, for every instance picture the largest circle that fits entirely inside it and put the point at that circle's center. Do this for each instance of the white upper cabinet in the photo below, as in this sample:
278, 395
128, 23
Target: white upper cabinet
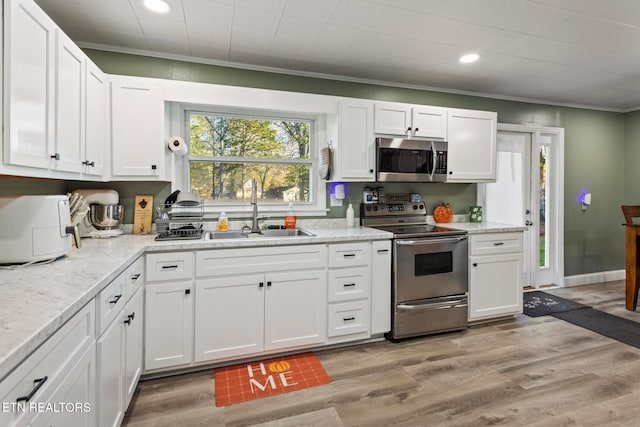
472, 146
408, 121
355, 146
70, 102
29, 50
96, 120
136, 135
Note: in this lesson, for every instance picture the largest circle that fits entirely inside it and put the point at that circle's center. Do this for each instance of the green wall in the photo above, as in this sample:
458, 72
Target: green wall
598, 155
127, 190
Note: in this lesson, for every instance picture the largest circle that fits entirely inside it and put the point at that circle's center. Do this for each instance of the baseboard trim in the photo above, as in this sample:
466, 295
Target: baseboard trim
591, 278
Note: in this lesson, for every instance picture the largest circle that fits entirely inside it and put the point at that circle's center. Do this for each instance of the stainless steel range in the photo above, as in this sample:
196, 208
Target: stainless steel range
429, 282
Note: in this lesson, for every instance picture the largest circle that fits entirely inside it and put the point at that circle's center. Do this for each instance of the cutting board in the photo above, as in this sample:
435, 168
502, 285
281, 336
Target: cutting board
142, 214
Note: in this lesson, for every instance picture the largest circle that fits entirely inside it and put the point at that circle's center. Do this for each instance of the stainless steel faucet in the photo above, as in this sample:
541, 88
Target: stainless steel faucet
254, 202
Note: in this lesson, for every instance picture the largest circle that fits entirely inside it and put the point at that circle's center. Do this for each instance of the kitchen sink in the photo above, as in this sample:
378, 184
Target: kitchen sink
288, 232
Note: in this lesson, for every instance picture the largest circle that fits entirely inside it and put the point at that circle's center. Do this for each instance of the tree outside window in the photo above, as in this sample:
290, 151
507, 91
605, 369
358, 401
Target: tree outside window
227, 152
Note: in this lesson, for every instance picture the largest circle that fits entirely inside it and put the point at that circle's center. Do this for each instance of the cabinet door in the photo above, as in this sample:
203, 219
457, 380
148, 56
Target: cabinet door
77, 388
133, 334
494, 285
136, 142
229, 317
96, 120
356, 145
168, 325
109, 375
295, 309
380, 287
29, 84
429, 122
70, 99
472, 146
392, 119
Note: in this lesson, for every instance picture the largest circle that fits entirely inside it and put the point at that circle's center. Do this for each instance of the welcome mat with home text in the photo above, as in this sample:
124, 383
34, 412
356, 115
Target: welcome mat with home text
252, 380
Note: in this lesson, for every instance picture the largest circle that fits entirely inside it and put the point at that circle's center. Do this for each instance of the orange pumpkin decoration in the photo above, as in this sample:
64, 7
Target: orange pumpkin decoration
279, 366
443, 213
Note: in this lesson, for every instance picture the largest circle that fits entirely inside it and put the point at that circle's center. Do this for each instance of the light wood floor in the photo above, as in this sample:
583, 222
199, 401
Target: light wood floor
522, 371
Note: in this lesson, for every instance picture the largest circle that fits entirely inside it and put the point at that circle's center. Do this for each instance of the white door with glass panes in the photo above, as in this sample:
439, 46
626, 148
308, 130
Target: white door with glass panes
523, 194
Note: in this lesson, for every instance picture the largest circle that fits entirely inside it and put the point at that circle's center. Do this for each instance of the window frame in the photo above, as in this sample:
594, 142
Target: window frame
317, 206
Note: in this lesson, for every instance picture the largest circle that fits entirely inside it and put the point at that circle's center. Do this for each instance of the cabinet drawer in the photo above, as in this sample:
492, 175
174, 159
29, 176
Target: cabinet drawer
42, 372
218, 262
134, 277
109, 302
169, 266
348, 254
348, 284
348, 318
495, 243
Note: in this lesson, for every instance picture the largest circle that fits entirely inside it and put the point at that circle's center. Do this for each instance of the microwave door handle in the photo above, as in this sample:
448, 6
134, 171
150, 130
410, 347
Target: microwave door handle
435, 158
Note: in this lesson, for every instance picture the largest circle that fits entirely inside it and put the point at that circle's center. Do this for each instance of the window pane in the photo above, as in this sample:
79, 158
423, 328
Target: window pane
542, 208
231, 182
220, 136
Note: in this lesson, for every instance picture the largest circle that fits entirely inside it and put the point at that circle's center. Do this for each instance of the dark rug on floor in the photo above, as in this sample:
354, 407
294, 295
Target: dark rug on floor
618, 328
538, 303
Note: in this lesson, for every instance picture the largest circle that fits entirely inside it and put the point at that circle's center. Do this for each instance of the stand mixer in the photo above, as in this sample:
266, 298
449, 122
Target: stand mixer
105, 213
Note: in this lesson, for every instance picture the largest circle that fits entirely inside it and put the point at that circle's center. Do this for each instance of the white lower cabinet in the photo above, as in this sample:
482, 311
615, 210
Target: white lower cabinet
262, 310
119, 364
169, 325
495, 275
62, 369
349, 308
380, 287
168, 333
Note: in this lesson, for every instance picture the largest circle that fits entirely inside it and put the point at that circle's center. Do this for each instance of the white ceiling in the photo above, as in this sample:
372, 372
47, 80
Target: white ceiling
574, 52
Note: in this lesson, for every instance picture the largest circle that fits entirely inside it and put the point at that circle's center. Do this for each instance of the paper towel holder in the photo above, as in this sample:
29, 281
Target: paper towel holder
177, 146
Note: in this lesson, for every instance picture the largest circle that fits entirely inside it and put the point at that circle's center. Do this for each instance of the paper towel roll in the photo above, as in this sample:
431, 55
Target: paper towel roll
178, 146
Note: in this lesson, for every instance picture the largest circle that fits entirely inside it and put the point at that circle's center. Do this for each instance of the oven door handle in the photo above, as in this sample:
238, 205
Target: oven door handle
429, 241
433, 305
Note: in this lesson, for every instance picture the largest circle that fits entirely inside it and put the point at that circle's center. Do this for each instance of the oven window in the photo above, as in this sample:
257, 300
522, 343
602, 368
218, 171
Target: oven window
433, 263
394, 160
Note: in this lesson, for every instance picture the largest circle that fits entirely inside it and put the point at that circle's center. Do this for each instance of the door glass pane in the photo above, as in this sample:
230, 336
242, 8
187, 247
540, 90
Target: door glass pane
543, 203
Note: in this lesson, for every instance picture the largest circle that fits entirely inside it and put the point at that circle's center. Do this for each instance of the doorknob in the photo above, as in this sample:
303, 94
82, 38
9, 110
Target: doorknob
527, 222
527, 212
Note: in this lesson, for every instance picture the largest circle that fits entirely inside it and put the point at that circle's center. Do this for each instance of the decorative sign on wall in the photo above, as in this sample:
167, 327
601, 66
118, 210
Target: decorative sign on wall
142, 215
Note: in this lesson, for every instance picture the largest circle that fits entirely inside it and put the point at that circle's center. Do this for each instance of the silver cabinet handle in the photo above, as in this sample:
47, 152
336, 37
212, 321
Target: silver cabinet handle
429, 241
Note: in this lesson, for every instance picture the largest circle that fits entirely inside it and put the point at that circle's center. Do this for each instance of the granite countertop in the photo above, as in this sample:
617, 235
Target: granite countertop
38, 299
483, 227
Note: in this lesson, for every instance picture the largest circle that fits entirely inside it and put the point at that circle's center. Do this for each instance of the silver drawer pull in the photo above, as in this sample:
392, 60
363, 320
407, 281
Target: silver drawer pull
37, 383
498, 244
169, 267
349, 285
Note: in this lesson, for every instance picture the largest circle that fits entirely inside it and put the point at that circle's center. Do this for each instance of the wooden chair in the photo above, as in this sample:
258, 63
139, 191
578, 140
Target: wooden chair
630, 212
632, 262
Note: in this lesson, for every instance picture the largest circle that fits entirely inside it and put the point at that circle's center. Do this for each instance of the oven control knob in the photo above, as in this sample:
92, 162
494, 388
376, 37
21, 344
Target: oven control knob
415, 207
375, 208
421, 206
368, 208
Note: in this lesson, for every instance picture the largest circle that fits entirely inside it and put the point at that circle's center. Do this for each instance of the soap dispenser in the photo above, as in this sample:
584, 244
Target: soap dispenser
350, 216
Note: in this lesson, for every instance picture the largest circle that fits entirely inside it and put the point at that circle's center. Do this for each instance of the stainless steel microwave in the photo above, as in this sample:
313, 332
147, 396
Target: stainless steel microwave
411, 160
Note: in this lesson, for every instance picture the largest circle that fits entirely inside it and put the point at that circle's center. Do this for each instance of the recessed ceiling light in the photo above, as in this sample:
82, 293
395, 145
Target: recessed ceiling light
159, 6
472, 57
